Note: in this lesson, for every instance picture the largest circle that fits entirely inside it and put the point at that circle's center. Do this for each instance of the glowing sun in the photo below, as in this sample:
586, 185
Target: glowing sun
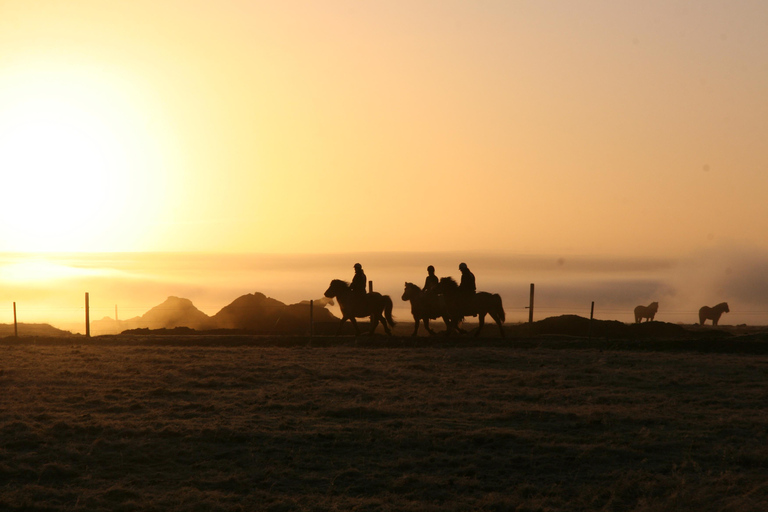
75, 161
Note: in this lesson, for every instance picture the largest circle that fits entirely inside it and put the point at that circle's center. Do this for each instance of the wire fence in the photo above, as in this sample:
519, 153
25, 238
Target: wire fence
74, 317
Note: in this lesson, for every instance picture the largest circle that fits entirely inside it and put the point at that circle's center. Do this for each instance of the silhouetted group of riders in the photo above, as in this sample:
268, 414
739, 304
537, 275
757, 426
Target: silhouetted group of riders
467, 287
439, 298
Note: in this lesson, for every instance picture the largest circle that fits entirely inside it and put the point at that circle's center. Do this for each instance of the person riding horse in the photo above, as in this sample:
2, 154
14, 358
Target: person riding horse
431, 281
359, 281
358, 287
467, 290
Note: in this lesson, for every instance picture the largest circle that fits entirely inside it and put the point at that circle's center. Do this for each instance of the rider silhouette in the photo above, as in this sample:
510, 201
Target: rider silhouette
431, 280
359, 282
467, 289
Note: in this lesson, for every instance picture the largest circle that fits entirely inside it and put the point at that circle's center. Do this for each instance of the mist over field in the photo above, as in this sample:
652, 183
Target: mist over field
51, 288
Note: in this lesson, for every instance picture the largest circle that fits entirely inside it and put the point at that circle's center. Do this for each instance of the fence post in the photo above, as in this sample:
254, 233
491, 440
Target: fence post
370, 286
87, 317
15, 325
311, 318
530, 307
591, 316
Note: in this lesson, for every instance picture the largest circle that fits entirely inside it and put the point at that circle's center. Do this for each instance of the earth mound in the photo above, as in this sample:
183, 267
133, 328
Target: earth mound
46, 330
574, 325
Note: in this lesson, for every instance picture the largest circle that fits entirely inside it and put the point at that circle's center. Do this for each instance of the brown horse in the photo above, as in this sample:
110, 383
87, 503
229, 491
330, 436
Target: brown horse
713, 313
481, 303
374, 305
648, 312
425, 306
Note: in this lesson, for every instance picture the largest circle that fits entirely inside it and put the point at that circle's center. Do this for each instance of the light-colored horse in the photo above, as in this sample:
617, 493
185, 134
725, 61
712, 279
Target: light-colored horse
648, 312
713, 313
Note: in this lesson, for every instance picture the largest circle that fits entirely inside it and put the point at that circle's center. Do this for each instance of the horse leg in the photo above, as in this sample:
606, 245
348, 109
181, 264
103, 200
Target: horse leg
426, 326
380, 317
498, 322
374, 323
354, 324
341, 324
448, 326
481, 322
416, 326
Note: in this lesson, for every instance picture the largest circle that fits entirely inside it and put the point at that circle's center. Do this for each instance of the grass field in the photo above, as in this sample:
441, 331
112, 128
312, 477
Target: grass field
353, 424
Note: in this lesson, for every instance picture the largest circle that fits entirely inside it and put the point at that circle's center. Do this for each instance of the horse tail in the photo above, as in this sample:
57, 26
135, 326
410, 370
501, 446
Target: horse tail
388, 310
499, 306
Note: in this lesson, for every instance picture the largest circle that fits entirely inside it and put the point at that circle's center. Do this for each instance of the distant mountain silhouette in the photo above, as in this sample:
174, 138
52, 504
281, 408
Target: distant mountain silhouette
176, 312
254, 312
33, 330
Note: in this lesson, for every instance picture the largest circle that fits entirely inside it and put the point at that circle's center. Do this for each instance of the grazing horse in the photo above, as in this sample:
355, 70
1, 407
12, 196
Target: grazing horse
425, 306
480, 304
713, 313
374, 305
648, 312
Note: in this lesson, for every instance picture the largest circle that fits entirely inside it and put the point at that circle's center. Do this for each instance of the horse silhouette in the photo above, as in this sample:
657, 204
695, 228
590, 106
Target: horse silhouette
648, 312
425, 306
481, 303
713, 313
374, 305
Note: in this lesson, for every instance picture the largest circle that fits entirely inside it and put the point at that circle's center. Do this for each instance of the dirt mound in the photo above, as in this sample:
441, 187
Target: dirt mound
574, 325
33, 330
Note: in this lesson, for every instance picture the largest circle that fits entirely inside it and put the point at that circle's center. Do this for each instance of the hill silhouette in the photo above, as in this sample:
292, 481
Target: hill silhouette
33, 330
254, 312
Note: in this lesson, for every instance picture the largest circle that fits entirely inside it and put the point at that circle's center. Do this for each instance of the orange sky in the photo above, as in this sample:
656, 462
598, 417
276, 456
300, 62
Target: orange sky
596, 127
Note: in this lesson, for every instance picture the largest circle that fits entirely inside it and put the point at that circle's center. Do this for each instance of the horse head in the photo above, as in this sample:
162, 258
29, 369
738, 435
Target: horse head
724, 306
654, 306
410, 291
337, 286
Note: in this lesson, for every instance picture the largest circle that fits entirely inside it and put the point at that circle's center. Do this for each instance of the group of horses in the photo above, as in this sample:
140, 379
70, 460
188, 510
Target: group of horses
705, 313
444, 301
447, 302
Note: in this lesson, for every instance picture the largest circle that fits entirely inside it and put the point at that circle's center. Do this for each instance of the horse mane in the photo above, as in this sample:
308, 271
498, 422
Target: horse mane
449, 283
340, 281
411, 285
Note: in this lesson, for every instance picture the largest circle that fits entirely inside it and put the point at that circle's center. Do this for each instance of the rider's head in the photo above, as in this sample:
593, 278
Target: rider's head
358, 266
463, 267
431, 269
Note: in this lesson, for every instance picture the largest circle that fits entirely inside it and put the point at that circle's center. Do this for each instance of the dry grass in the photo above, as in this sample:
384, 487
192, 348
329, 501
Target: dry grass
137, 425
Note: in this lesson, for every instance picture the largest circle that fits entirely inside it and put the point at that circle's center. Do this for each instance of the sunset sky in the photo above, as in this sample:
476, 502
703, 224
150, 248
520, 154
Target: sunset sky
567, 129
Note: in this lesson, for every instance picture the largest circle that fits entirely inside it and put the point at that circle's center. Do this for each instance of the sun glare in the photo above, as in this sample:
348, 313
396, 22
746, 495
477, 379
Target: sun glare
74, 163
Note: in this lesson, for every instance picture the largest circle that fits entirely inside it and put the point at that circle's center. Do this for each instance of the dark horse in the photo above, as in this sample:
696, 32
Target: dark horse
480, 304
713, 313
374, 305
425, 306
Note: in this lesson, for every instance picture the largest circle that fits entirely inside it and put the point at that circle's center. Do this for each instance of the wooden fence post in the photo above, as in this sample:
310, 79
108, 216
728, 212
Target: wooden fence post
15, 325
370, 286
530, 307
87, 317
311, 317
591, 316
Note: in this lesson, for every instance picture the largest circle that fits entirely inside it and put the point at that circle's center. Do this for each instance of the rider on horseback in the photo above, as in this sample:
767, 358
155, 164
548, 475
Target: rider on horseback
357, 287
467, 290
359, 282
431, 280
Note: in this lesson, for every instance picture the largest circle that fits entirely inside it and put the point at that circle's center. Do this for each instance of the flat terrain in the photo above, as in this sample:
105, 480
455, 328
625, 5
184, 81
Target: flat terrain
282, 424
